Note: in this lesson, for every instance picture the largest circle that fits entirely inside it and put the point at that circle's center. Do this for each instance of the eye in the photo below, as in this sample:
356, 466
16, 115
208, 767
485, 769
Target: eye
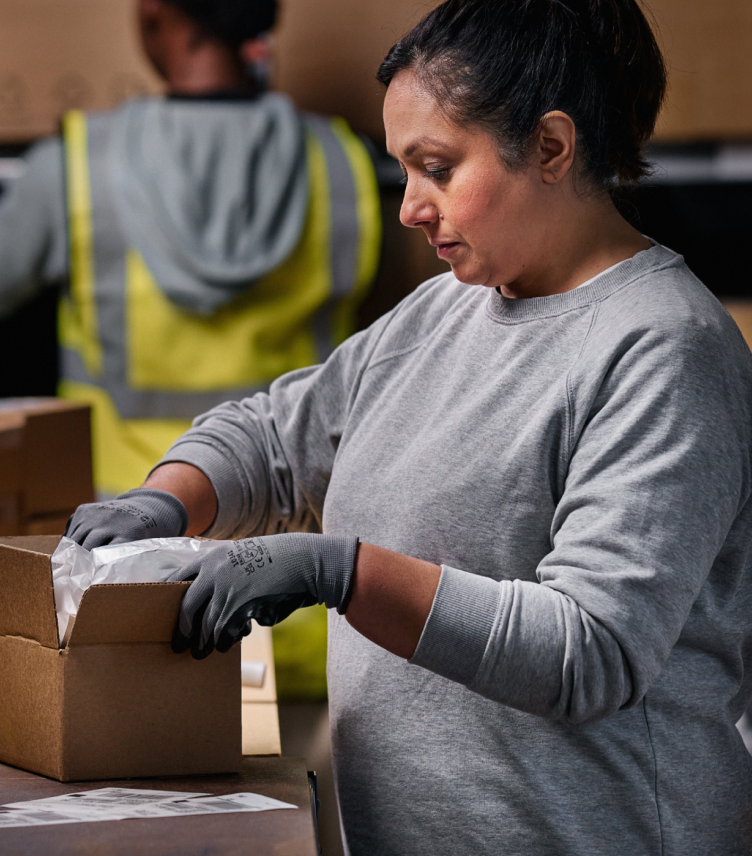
403, 180
439, 173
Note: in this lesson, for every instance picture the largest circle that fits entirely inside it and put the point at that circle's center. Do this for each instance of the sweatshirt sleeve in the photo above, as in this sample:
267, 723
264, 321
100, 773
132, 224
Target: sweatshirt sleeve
33, 232
658, 475
270, 457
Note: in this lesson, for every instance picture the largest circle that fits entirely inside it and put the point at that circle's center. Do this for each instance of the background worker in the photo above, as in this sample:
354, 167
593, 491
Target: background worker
213, 239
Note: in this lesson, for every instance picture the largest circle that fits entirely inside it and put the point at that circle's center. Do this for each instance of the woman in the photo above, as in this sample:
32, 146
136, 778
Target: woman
533, 477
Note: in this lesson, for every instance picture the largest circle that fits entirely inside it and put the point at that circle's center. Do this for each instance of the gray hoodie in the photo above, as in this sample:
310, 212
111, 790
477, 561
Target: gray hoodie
212, 193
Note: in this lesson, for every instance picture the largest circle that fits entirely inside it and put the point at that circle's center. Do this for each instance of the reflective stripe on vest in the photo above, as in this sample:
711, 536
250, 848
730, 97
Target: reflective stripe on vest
119, 332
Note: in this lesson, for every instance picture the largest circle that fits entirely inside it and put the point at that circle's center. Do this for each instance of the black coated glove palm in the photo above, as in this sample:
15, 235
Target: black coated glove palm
263, 578
132, 516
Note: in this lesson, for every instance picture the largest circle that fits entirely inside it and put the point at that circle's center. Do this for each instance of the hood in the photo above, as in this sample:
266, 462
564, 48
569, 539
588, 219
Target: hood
213, 194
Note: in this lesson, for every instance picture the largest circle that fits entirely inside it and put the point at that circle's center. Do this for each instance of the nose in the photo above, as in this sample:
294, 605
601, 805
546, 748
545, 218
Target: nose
417, 209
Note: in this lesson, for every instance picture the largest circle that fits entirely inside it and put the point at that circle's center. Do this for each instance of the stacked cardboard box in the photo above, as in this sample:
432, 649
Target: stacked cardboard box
259, 699
45, 464
58, 54
61, 54
741, 312
707, 47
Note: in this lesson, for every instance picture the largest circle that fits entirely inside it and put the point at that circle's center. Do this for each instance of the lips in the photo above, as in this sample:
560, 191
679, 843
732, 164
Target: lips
444, 250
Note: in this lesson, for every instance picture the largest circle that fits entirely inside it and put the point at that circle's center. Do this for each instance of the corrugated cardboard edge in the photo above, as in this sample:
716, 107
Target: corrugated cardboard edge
27, 606
31, 711
127, 612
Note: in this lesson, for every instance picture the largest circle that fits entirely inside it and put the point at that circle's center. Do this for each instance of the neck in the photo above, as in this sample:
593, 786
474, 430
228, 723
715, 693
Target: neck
203, 68
587, 237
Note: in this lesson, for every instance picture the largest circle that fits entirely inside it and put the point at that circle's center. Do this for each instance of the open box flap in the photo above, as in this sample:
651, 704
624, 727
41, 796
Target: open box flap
127, 612
27, 600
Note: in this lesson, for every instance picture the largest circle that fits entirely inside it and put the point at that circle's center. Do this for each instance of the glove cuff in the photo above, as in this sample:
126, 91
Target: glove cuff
166, 507
329, 568
338, 554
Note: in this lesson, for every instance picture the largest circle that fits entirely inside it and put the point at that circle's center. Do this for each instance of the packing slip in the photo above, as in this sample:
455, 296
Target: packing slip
129, 803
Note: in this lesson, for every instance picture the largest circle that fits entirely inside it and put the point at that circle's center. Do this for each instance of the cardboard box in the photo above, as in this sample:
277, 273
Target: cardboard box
259, 712
11, 452
741, 312
45, 463
707, 47
115, 702
46, 524
59, 54
328, 54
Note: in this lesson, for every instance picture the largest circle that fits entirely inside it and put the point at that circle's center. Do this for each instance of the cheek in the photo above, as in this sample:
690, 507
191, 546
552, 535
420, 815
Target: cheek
475, 209
498, 213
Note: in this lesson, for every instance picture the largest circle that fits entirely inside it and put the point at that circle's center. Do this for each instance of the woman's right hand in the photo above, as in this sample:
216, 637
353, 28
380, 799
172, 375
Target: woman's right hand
132, 516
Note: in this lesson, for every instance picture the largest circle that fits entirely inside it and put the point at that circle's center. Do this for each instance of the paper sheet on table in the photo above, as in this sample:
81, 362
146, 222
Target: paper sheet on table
152, 560
14, 818
209, 805
105, 798
129, 803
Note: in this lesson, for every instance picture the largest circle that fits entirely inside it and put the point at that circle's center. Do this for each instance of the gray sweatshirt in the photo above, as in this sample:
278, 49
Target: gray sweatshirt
581, 467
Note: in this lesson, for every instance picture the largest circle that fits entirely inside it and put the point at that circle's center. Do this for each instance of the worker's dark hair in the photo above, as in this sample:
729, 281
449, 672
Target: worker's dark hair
231, 21
504, 64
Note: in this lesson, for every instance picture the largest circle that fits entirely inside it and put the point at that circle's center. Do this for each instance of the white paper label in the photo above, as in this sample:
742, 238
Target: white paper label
107, 804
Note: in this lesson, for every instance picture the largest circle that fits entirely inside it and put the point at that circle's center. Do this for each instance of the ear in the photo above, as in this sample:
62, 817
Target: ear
555, 153
257, 51
150, 14
149, 8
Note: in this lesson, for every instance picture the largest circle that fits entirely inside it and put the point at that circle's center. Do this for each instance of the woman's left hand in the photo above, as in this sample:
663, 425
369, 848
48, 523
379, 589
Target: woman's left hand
263, 578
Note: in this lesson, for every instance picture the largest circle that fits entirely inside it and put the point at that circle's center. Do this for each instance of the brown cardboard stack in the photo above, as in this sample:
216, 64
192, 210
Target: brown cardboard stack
59, 54
116, 702
11, 453
707, 46
329, 52
45, 464
741, 312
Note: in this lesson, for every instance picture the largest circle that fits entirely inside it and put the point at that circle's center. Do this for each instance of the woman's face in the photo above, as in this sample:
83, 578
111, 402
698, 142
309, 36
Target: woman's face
483, 219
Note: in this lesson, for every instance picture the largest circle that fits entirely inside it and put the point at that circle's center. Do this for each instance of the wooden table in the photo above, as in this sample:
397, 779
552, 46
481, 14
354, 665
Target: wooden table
285, 832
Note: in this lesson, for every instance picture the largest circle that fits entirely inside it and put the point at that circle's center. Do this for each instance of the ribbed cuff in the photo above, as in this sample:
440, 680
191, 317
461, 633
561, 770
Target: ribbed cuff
221, 474
325, 561
338, 562
456, 633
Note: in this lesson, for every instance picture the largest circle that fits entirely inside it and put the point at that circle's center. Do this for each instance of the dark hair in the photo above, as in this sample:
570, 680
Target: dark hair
504, 64
231, 21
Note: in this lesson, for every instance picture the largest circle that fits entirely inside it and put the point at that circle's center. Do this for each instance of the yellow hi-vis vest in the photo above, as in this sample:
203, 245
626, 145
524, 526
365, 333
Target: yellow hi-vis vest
148, 367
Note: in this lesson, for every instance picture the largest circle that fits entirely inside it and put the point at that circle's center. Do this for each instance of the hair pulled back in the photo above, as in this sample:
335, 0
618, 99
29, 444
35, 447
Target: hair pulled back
504, 64
231, 21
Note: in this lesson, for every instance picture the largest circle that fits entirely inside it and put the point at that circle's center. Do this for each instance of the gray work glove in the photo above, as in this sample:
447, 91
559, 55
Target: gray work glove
132, 516
265, 578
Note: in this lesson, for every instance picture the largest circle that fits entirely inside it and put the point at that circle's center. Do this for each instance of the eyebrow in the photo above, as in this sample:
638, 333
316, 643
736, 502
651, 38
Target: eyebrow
422, 142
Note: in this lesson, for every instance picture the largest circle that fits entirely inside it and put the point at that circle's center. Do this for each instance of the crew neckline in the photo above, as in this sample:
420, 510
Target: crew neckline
514, 309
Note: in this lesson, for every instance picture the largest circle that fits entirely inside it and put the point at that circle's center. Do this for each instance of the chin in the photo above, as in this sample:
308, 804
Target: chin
468, 277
